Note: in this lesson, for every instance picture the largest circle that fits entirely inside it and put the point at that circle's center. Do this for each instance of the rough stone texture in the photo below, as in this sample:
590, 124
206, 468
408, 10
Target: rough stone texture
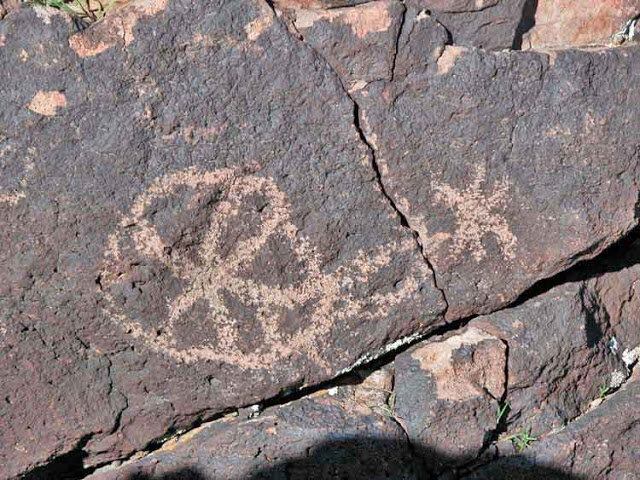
181, 235
484, 151
7, 6
447, 394
457, 6
314, 438
446, 391
359, 42
488, 24
604, 444
559, 356
485, 193
316, 4
559, 23
194, 220
616, 289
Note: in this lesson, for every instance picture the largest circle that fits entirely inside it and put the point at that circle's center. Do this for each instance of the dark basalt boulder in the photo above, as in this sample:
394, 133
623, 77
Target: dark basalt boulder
190, 223
208, 204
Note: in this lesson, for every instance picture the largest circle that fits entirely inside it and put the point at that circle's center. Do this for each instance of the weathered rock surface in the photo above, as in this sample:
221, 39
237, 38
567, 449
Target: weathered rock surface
181, 234
546, 358
483, 195
447, 394
480, 199
326, 436
359, 42
616, 288
316, 4
561, 23
194, 220
603, 444
488, 24
559, 356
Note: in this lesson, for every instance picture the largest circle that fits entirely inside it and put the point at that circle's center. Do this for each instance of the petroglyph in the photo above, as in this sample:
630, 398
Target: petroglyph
248, 218
478, 214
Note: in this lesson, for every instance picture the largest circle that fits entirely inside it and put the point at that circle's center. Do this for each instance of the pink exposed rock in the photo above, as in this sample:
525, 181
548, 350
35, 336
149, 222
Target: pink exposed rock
562, 23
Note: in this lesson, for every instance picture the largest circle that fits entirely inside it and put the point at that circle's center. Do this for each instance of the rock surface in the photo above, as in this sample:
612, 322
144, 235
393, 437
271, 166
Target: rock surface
561, 23
315, 4
483, 196
616, 288
445, 393
488, 24
358, 42
448, 391
182, 237
554, 376
485, 193
208, 205
325, 436
604, 444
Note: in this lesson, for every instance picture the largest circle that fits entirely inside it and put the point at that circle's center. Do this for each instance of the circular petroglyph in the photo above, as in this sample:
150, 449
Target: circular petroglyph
210, 266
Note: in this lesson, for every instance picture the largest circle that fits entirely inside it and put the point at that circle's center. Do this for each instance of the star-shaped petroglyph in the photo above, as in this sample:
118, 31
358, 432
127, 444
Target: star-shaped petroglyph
478, 213
219, 272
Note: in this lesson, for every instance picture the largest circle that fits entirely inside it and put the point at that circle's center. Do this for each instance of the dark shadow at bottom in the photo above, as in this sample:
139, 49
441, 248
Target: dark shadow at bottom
365, 458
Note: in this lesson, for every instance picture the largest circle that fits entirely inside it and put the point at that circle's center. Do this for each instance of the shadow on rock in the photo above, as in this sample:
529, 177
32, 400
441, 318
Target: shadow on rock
370, 459
181, 474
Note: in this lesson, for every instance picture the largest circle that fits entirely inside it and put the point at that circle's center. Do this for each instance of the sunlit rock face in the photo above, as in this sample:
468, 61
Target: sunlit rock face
210, 205
564, 23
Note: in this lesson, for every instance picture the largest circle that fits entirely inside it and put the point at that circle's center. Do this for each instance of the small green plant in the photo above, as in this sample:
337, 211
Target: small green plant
86, 11
617, 380
391, 401
521, 440
389, 408
386, 410
502, 410
603, 390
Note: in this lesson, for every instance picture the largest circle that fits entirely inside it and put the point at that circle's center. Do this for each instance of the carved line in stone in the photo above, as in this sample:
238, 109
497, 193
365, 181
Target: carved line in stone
327, 296
478, 214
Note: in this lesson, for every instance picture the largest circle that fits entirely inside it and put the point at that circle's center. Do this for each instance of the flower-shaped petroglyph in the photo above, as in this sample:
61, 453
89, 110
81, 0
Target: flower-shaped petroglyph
478, 214
217, 272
